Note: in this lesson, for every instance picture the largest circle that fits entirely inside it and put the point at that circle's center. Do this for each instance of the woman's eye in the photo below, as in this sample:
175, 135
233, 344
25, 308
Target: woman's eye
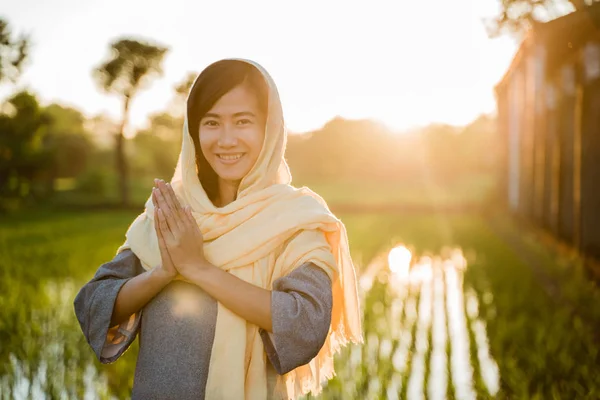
210, 123
244, 122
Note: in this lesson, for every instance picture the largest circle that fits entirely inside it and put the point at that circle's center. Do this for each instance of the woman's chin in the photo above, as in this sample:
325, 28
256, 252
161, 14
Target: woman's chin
231, 174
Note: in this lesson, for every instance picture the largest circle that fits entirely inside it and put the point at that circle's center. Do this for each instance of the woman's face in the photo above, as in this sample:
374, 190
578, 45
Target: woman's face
232, 133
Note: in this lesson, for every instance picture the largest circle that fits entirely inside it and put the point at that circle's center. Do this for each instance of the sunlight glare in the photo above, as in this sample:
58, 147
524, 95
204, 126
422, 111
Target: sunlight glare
399, 261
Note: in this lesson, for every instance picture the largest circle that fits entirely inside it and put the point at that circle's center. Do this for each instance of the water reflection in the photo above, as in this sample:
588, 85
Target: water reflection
488, 366
399, 261
424, 336
44, 356
462, 371
422, 275
438, 379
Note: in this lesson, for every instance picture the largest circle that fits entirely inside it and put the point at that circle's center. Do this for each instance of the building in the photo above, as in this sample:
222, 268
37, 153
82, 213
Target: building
549, 116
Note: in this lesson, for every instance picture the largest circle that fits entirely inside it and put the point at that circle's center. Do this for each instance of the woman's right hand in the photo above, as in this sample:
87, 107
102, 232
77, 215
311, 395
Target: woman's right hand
166, 269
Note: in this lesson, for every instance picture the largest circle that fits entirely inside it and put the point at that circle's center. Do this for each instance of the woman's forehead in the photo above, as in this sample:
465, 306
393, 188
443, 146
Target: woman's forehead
237, 101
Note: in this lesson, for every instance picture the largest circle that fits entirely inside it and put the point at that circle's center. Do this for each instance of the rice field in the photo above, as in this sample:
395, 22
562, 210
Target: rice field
449, 311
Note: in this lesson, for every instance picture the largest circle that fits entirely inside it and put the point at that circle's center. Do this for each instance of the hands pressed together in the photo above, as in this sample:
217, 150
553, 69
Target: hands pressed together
179, 238
182, 253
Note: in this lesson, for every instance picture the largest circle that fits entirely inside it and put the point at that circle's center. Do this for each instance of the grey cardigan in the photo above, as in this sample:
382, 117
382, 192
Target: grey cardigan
176, 341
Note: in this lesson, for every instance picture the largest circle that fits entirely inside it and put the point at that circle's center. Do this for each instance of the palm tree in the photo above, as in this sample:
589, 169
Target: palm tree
182, 89
129, 68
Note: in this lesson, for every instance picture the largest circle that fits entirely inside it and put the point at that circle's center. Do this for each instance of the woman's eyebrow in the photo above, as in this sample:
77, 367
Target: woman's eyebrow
235, 115
244, 114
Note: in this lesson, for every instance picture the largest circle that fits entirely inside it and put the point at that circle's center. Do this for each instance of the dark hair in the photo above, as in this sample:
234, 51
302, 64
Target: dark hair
214, 82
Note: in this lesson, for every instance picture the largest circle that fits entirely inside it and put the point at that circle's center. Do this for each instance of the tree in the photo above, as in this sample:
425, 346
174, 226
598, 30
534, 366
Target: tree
156, 148
516, 16
182, 89
130, 67
67, 141
23, 158
13, 53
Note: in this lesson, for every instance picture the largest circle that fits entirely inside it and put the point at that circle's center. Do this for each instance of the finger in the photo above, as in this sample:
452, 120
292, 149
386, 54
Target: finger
170, 218
157, 223
159, 203
161, 240
178, 210
174, 205
154, 199
162, 244
158, 199
166, 194
164, 226
175, 201
164, 250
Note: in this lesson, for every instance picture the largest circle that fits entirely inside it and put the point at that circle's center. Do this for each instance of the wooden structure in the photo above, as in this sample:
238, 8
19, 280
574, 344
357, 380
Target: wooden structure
549, 114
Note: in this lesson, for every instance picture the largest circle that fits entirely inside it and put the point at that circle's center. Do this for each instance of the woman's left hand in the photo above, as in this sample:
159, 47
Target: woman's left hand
180, 231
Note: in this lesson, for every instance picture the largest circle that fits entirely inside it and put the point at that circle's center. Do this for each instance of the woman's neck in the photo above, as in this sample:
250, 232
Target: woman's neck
227, 192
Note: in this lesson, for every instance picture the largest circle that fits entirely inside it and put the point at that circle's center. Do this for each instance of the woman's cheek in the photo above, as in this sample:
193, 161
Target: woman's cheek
258, 139
206, 140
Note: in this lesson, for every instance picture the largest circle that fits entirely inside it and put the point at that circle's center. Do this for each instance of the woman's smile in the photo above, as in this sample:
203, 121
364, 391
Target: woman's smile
230, 158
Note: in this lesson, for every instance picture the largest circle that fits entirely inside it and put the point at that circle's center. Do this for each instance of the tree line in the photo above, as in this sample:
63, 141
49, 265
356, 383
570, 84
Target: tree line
49, 151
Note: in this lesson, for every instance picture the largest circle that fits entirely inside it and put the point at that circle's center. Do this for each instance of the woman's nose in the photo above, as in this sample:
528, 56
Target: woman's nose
227, 137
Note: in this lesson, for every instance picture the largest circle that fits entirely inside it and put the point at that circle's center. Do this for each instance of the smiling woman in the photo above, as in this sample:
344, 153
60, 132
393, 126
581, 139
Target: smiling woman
240, 285
227, 128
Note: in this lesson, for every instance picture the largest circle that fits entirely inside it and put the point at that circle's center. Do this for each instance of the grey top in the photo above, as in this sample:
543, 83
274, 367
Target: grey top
176, 328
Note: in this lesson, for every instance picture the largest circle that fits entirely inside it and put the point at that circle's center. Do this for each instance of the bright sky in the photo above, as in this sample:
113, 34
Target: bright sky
405, 63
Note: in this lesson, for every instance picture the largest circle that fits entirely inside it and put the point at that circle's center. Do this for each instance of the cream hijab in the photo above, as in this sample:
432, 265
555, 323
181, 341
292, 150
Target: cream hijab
268, 231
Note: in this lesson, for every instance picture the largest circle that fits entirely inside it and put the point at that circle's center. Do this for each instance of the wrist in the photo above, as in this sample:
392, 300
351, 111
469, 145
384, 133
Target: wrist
198, 272
161, 276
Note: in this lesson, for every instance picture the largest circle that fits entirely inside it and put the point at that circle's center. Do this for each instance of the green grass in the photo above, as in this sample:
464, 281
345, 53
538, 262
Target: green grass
44, 259
542, 351
464, 191
468, 190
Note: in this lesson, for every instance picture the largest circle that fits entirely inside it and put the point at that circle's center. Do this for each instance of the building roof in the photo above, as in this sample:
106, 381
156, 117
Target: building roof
561, 38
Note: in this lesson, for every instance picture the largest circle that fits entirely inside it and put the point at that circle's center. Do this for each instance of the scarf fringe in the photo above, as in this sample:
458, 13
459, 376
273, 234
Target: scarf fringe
310, 378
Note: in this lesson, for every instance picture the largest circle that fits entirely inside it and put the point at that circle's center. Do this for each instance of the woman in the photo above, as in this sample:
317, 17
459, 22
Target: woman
239, 285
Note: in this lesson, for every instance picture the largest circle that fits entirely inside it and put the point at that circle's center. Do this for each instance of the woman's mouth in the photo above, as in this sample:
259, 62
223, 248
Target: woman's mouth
230, 158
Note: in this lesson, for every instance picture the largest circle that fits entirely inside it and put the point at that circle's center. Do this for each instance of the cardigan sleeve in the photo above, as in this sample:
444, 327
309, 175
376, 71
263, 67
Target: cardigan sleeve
94, 305
301, 304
